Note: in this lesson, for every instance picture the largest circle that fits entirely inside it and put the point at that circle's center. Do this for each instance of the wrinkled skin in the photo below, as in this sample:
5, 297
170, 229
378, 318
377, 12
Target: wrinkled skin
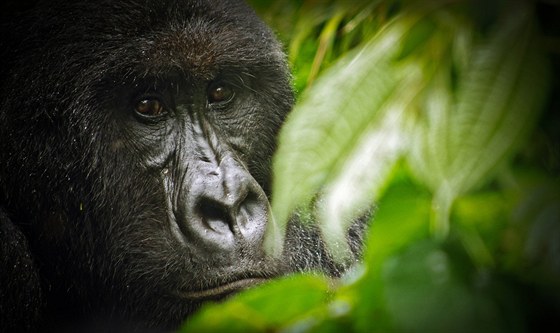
135, 156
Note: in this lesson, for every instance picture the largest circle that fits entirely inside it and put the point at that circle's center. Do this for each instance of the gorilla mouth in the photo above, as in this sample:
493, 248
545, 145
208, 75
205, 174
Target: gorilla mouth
223, 290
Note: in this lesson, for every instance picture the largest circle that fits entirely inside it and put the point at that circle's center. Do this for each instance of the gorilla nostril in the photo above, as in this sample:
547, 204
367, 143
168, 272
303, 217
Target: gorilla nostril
215, 215
249, 203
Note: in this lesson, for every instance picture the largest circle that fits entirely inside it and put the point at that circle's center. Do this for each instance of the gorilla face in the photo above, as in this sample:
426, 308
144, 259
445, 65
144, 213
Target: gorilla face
135, 156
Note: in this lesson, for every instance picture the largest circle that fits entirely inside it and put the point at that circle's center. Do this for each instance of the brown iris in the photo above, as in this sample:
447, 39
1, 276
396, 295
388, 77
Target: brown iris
150, 107
219, 93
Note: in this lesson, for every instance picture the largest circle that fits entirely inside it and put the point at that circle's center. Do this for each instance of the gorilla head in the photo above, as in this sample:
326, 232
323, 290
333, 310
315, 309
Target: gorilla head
135, 161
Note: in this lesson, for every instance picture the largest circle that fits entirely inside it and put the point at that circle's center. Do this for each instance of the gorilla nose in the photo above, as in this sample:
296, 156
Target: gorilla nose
227, 207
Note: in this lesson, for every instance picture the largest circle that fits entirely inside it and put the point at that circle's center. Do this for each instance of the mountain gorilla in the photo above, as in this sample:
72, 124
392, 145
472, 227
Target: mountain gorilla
135, 149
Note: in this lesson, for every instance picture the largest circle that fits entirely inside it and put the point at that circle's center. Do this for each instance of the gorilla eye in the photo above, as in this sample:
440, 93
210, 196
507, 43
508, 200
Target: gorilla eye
220, 93
150, 107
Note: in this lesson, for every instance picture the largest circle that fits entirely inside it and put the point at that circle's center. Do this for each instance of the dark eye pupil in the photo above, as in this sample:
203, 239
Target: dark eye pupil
219, 94
149, 107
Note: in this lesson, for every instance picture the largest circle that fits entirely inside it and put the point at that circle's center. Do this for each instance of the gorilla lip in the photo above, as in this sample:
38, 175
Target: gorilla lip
224, 289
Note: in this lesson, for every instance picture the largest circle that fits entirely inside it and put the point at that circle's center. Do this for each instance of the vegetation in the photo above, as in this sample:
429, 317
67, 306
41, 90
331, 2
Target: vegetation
442, 114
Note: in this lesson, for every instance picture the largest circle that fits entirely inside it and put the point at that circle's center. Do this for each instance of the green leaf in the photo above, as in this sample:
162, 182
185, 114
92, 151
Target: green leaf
460, 145
401, 218
306, 292
499, 99
426, 293
269, 307
333, 123
366, 171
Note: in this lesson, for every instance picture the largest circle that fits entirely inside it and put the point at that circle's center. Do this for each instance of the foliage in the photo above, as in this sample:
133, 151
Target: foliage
434, 112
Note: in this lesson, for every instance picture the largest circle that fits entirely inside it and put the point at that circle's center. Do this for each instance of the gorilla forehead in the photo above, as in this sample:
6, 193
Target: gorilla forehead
160, 36
198, 47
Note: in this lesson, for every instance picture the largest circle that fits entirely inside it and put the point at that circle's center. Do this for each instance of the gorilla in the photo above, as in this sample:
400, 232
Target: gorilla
135, 162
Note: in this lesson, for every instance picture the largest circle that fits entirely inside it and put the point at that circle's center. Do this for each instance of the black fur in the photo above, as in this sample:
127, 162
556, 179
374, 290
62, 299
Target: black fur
95, 226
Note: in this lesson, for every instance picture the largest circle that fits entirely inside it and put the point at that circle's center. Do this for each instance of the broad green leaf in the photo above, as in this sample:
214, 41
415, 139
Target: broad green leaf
366, 169
332, 119
267, 308
230, 317
401, 218
306, 293
461, 144
426, 293
499, 99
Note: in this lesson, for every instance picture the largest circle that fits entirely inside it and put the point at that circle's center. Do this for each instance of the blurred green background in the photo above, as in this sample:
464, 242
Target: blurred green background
444, 116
